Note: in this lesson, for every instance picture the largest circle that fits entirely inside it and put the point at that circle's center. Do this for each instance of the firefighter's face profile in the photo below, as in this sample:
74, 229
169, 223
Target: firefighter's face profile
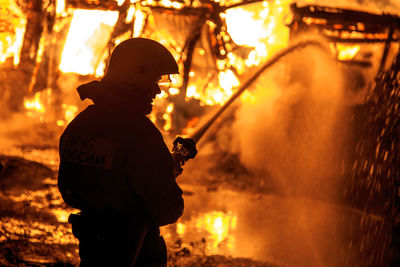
151, 90
144, 92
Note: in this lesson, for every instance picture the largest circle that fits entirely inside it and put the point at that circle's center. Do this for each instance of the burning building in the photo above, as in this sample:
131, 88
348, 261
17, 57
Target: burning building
309, 112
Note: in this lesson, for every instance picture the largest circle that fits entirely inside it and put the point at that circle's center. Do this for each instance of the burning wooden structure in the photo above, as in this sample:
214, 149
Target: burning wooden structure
214, 54
363, 43
212, 63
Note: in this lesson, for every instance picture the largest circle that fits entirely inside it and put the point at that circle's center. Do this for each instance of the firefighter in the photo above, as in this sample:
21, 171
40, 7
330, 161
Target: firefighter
114, 165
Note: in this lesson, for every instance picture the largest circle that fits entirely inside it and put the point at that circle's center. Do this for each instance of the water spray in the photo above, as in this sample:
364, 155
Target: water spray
186, 146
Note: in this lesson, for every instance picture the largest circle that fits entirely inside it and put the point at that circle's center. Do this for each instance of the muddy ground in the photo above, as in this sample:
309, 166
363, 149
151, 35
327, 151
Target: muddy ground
34, 230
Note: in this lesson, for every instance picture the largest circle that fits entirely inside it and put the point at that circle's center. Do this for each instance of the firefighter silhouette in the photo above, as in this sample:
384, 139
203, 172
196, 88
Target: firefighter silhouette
114, 165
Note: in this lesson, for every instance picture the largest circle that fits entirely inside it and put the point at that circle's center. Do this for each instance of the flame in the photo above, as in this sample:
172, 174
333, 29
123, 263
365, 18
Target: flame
180, 228
62, 215
240, 21
82, 49
169, 3
228, 80
192, 91
130, 14
60, 6
167, 117
84, 54
140, 18
190, 126
248, 97
69, 113
173, 91
347, 52
268, 34
219, 225
12, 31
35, 104
310, 21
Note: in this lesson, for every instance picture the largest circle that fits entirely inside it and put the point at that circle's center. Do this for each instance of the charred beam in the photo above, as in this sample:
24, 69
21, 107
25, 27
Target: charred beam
247, 2
190, 45
360, 63
29, 51
181, 11
386, 50
351, 19
360, 40
110, 5
33, 32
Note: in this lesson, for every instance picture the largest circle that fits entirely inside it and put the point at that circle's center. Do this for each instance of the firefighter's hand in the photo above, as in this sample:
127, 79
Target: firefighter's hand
186, 147
179, 160
183, 150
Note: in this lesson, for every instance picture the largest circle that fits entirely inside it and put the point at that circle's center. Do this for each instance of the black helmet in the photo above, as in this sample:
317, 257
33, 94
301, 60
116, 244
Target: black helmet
138, 60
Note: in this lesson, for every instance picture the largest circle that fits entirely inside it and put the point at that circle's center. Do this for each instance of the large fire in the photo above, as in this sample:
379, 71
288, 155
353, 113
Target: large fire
247, 34
85, 50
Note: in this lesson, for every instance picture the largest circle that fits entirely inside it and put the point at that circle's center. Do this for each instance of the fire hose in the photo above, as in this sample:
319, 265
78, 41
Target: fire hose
186, 147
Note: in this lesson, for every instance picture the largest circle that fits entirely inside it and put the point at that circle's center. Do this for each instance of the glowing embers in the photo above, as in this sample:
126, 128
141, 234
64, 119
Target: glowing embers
167, 117
215, 94
218, 227
38, 105
69, 113
347, 52
37, 232
86, 41
34, 104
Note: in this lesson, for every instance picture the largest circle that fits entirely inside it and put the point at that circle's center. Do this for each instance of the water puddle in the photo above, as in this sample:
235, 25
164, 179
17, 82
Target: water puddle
267, 228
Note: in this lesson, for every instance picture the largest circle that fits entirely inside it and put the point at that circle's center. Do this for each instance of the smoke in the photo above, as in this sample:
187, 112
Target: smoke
291, 134
22, 127
288, 133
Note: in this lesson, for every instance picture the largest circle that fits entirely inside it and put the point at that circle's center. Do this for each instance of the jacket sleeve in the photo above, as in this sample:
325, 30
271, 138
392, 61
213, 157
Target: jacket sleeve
150, 173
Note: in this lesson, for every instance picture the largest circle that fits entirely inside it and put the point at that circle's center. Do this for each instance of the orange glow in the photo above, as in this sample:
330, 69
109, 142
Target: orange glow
11, 31
347, 52
62, 215
35, 104
214, 94
219, 225
173, 91
60, 6
190, 126
69, 112
268, 34
85, 50
310, 21
338, 26
180, 228
86, 40
167, 117
139, 23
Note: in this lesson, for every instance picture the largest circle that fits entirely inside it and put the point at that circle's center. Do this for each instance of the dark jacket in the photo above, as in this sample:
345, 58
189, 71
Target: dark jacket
114, 159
